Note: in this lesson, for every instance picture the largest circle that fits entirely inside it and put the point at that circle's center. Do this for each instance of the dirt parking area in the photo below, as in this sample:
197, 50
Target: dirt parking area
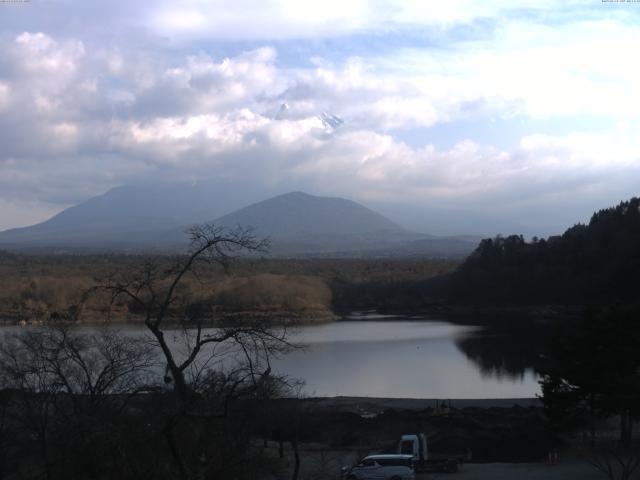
320, 464
509, 438
573, 469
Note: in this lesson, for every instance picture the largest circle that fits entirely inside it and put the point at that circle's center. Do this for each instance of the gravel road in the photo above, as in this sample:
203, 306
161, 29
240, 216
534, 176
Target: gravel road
571, 469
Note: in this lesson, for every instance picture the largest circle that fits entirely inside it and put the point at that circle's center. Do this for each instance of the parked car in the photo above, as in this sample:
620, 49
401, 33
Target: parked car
381, 467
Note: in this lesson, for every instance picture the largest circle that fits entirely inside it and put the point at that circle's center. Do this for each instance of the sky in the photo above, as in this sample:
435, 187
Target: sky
527, 112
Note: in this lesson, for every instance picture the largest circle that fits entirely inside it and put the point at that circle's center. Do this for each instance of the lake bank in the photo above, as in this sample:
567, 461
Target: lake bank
374, 405
277, 318
491, 431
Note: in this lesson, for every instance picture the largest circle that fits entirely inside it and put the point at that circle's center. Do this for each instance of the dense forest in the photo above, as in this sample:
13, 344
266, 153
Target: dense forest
598, 262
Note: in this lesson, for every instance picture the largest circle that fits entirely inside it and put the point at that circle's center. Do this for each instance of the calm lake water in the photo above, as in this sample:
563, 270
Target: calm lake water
394, 357
397, 358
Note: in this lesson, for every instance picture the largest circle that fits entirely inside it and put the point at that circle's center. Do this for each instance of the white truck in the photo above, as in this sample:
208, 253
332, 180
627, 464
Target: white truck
415, 444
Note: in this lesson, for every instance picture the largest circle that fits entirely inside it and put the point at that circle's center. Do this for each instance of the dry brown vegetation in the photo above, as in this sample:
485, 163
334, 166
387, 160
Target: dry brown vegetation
35, 288
36, 298
268, 291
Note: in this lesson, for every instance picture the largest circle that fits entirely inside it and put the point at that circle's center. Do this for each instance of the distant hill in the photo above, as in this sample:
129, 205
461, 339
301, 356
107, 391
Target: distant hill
299, 214
127, 217
155, 217
599, 261
298, 222
301, 224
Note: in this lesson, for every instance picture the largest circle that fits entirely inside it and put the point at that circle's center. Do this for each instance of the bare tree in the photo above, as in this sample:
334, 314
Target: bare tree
207, 367
63, 360
65, 388
74, 400
157, 293
613, 460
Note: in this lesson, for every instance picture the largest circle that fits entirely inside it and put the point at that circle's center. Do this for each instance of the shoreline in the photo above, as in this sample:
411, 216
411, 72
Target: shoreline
487, 316
276, 318
377, 405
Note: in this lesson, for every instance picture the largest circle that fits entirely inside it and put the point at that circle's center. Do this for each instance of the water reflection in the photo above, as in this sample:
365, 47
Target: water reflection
507, 353
401, 358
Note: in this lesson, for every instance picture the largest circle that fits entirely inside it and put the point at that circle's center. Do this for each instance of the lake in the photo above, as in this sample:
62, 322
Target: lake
397, 358
378, 356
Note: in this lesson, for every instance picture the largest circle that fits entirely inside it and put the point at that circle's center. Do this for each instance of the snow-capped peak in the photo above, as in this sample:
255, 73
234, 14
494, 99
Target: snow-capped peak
331, 121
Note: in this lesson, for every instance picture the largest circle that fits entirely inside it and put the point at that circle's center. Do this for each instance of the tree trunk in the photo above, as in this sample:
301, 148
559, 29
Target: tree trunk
180, 386
45, 457
626, 428
592, 422
169, 435
296, 456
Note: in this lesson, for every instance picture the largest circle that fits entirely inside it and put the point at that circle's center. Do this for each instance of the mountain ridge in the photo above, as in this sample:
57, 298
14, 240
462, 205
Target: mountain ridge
301, 214
154, 218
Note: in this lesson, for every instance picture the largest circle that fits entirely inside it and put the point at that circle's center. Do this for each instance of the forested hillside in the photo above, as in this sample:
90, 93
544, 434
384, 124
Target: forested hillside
588, 263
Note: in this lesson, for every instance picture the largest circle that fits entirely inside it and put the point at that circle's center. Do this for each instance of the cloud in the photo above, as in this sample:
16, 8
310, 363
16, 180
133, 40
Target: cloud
286, 19
366, 164
41, 54
175, 98
4, 95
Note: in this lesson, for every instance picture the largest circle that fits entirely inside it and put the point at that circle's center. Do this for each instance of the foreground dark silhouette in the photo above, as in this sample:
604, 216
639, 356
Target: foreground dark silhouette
78, 405
100, 406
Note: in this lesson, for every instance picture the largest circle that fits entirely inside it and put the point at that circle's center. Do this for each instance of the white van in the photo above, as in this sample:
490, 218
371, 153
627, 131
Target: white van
381, 467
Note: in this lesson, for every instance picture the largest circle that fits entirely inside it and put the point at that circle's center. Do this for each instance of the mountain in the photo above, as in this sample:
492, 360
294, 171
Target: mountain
299, 214
154, 217
331, 121
299, 223
328, 120
129, 216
